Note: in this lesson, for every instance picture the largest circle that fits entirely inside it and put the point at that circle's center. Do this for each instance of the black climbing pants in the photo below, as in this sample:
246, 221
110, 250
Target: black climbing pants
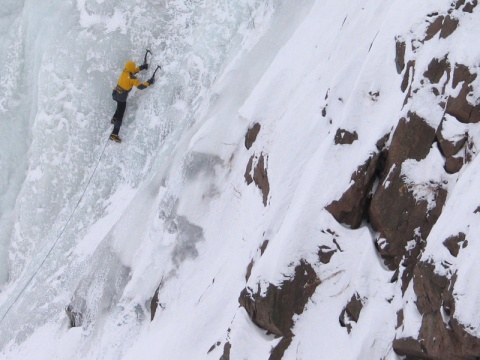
121, 105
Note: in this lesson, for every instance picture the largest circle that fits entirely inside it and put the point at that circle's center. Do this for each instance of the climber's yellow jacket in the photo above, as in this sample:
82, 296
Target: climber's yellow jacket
127, 81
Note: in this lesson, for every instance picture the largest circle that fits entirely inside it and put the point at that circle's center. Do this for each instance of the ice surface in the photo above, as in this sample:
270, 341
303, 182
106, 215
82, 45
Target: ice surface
58, 208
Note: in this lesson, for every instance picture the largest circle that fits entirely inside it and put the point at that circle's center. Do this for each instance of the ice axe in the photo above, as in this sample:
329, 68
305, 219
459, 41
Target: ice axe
152, 79
158, 67
145, 58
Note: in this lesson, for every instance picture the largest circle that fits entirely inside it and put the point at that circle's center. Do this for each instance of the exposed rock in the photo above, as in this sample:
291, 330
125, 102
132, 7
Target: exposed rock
462, 74
408, 96
450, 146
260, 175
351, 208
279, 350
408, 76
453, 243
248, 171
436, 69
251, 135
454, 164
337, 245
345, 137
440, 335
400, 318
433, 215
154, 304
412, 139
434, 28
264, 247
351, 312
249, 270
470, 6
394, 212
374, 95
400, 47
412, 255
325, 254
226, 351
450, 24
395, 275
410, 259
470, 151
459, 107
382, 142
274, 311
434, 335
213, 347
411, 348
458, 4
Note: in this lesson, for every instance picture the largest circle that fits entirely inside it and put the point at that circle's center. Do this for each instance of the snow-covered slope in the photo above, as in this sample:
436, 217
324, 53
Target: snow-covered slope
299, 183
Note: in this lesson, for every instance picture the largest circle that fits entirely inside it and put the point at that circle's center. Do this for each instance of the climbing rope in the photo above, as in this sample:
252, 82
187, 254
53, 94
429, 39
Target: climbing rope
59, 236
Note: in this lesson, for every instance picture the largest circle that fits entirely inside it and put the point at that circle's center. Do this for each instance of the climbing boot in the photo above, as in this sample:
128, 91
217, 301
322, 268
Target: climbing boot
115, 137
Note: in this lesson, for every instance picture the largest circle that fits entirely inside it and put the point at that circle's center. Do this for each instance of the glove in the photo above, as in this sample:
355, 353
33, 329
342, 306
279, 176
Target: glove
151, 81
143, 67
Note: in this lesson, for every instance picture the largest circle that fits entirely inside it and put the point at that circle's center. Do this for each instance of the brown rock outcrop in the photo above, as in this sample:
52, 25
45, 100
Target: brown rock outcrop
454, 164
450, 146
407, 79
412, 139
446, 25
251, 135
450, 24
352, 207
226, 351
274, 312
470, 6
325, 254
260, 175
441, 336
351, 312
455, 242
394, 211
436, 69
279, 350
434, 27
400, 47
460, 107
345, 137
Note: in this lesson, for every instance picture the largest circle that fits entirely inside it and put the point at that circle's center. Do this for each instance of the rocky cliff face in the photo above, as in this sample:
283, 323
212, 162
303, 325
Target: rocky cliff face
399, 207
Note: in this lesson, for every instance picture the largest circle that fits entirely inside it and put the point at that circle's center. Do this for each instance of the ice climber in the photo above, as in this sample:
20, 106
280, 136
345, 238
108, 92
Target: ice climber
125, 83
